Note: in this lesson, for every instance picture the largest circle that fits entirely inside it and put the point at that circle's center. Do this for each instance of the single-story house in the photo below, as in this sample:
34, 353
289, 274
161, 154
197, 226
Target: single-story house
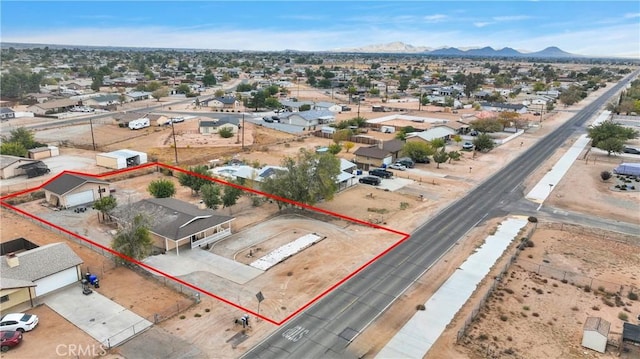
500, 107
224, 102
431, 134
159, 120
35, 272
52, 106
347, 176
9, 166
6, 113
252, 176
459, 127
68, 190
121, 159
308, 119
385, 153
39, 97
294, 106
214, 126
102, 100
137, 96
327, 106
595, 334
43, 152
180, 223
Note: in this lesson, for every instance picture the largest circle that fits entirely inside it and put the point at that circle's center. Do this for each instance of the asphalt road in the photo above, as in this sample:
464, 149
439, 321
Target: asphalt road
326, 328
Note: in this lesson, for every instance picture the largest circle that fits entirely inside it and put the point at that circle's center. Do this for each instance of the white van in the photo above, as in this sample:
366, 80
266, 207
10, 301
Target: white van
139, 123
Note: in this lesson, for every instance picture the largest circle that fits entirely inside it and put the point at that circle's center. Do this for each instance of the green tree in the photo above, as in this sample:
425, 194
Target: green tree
348, 145
13, 149
162, 188
272, 103
183, 89
210, 193
402, 133
244, 87
454, 155
195, 181
209, 80
487, 125
16, 83
25, 137
133, 239
419, 151
484, 143
160, 93
230, 196
305, 107
610, 136
219, 93
335, 148
226, 132
258, 100
105, 205
438, 142
153, 86
308, 178
440, 157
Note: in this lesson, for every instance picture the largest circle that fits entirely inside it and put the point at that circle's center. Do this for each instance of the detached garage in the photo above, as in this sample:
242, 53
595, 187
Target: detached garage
36, 272
595, 334
121, 159
70, 190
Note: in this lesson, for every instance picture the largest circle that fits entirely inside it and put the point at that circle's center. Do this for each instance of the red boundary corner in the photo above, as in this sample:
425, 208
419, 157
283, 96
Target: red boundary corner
405, 236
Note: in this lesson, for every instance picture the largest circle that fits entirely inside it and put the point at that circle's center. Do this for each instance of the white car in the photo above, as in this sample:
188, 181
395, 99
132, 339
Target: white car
398, 166
20, 322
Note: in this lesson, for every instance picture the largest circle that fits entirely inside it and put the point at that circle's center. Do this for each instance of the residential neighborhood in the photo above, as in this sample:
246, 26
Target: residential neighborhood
171, 194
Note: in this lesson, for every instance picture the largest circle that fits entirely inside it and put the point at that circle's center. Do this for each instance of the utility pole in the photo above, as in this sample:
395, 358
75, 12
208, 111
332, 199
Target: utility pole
175, 146
243, 131
93, 140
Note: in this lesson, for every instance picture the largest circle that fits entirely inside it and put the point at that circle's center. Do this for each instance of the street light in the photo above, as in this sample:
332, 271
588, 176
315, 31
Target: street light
470, 168
550, 188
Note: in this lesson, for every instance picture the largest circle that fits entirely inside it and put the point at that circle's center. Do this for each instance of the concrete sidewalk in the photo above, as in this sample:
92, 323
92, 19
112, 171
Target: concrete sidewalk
418, 335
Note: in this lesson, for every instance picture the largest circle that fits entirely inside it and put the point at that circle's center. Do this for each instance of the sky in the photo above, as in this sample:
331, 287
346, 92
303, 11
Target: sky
591, 28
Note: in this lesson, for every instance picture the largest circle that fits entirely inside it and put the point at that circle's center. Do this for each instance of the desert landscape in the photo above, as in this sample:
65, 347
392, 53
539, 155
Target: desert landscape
428, 190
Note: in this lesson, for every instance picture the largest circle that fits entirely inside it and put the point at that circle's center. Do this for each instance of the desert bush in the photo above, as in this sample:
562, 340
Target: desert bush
595, 307
535, 314
530, 243
564, 281
420, 307
197, 315
623, 316
483, 337
182, 317
533, 219
605, 175
508, 290
575, 308
632, 296
526, 307
539, 291
504, 318
587, 289
607, 302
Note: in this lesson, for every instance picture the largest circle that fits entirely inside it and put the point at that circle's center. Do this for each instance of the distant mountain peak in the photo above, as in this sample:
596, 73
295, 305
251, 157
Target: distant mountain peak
487, 51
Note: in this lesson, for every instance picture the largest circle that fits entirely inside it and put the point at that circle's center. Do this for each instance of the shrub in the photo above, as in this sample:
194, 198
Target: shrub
632, 296
207, 310
587, 289
533, 219
535, 314
182, 317
607, 302
575, 308
225, 132
508, 290
526, 307
420, 307
530, 243
623, 316
483, 337
504, 318
564, 281
605, 175
595, 307
197, 315
539, 291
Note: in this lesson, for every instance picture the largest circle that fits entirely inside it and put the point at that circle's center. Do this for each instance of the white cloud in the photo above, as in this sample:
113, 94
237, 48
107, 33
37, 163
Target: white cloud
511, 18
482, 23
632, 15
435, 18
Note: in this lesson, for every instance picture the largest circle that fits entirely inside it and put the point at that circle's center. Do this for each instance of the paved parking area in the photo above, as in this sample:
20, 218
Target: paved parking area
106, 321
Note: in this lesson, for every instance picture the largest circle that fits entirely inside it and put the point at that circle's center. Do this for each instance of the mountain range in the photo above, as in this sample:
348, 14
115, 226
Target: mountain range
402, 48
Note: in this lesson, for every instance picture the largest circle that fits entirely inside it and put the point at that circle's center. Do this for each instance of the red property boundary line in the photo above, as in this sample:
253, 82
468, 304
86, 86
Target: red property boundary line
404, 236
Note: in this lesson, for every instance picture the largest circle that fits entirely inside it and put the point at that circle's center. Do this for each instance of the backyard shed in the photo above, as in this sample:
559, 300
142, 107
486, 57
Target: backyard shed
595, 334
10, 166
43, 152
121, 159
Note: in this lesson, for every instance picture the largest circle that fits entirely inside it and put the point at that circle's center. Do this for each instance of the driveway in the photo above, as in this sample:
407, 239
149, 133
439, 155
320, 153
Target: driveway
103, 319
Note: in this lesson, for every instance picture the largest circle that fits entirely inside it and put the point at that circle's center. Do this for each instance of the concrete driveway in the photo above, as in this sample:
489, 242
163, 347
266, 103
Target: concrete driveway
103, 319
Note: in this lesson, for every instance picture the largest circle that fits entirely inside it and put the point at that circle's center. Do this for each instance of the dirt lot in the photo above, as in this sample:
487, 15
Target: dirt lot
438, 186
548, 293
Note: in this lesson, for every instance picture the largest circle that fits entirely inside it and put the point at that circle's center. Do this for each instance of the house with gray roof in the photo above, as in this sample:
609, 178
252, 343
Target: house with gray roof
223, 102
10, 166
385, 153
177, 223
70, 190
500, 107
29, 274
308, 119
6, 113
215, 125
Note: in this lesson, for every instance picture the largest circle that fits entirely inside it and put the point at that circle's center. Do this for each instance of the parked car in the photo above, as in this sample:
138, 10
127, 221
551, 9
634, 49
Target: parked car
398, 166
9, 339
371, 180
19, 321
473, 133
267, 119
423, 160
631, 150
467, 146
380, 172
406, 161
